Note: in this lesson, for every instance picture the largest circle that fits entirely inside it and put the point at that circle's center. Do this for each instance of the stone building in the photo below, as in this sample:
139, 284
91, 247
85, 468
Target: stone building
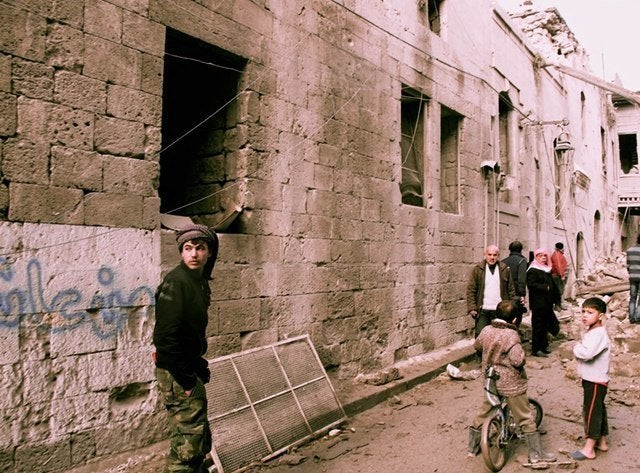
628, 129
356, 157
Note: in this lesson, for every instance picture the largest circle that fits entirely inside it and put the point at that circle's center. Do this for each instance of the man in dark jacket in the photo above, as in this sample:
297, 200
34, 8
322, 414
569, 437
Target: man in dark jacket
518, 266
182, 301
489, 283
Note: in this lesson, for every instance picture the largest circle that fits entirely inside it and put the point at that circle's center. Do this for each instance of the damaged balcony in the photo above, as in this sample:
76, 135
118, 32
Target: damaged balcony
629, 193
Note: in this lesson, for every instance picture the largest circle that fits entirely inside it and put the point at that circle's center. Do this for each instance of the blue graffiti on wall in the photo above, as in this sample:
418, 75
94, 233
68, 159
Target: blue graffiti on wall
105, 310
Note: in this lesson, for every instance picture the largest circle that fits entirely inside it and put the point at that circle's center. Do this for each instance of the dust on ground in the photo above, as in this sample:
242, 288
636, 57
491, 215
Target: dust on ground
425, 429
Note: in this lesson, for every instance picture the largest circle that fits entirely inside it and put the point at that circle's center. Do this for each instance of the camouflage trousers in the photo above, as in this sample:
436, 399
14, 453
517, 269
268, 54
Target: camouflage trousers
190, 431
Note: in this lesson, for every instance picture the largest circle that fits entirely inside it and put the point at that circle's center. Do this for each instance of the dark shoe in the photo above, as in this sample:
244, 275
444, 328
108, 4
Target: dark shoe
546, 350
540, 354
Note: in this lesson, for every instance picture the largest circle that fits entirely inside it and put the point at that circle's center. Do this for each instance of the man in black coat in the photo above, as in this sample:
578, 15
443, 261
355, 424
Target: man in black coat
179, 336
518, 265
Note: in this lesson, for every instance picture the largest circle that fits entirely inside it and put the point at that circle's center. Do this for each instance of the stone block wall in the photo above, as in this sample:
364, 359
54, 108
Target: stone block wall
310, 147
75, 344
80, 129
81, 109
325, 246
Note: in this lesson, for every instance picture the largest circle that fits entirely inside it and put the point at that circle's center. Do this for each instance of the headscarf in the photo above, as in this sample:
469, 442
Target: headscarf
537, 265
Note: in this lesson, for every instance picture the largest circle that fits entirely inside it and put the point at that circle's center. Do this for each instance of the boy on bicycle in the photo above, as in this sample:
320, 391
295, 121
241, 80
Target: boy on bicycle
500, 346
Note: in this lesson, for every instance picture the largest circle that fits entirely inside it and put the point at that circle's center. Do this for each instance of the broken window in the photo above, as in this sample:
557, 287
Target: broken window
450, 123
412, 113
505, 117
603, 146
628, 152
201, 133
435, 15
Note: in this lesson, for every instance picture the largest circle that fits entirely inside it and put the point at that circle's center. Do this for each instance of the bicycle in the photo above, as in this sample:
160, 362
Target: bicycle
500, 427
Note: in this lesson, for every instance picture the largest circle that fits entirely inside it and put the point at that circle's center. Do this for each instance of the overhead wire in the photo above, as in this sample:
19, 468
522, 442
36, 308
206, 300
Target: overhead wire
267, 68
417, 122
182, 136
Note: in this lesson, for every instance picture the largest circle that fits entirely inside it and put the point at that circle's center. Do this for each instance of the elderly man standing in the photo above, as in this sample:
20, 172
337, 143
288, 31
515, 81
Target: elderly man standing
490, 283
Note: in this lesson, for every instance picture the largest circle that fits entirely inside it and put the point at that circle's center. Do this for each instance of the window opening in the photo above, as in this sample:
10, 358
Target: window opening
435, 16
505, 110
583, 114
201, 134
603, 145
450, 124
597, 232
412, 111
580, 255
628, 152
558, 174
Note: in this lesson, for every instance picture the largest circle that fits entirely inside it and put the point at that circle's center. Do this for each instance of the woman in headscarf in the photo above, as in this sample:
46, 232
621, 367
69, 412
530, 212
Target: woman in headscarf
543, 294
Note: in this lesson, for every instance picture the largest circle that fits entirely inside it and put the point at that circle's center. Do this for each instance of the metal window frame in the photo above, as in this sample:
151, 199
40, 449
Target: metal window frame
292, 389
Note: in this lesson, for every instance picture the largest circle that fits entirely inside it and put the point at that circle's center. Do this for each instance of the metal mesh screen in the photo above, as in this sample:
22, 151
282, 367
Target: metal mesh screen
264, 400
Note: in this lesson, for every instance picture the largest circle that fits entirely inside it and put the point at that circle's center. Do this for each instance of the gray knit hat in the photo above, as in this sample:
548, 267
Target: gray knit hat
196, 231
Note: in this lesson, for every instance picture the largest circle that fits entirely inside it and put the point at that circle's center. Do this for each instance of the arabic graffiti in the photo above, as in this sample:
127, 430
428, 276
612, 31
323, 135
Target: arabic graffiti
106, 309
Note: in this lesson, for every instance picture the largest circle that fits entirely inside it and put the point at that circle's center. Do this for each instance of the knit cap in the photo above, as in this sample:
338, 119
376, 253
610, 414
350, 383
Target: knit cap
193, 231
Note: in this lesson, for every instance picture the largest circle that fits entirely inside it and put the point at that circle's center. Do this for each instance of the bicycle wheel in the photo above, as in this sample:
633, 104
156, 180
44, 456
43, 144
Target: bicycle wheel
536, 411
492, 443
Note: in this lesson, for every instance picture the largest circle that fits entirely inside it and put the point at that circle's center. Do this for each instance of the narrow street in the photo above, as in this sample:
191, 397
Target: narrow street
424, 429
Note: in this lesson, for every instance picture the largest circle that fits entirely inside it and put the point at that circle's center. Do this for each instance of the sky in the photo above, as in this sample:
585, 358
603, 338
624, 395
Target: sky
608, 29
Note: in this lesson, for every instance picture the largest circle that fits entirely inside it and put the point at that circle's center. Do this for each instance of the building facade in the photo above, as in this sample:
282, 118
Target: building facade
356, 157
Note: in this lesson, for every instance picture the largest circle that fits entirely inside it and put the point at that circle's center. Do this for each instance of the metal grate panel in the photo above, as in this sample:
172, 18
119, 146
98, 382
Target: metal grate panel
264, 400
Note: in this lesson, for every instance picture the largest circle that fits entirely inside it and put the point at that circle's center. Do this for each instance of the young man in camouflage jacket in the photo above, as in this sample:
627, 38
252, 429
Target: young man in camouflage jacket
182, 301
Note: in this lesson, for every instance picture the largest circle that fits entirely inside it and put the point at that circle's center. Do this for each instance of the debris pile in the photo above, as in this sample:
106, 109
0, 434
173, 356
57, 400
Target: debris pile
380, 377
608, 280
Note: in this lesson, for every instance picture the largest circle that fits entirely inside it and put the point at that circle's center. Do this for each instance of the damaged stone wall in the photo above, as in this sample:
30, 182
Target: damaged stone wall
324, 244
76, 378
80, 109
550, 36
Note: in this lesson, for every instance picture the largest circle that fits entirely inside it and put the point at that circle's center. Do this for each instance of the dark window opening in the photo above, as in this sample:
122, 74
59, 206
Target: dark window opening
505, 110
628, 152
583, 114
559, 170
201, 133
435, 16
412, 111
603, 146
450, 122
